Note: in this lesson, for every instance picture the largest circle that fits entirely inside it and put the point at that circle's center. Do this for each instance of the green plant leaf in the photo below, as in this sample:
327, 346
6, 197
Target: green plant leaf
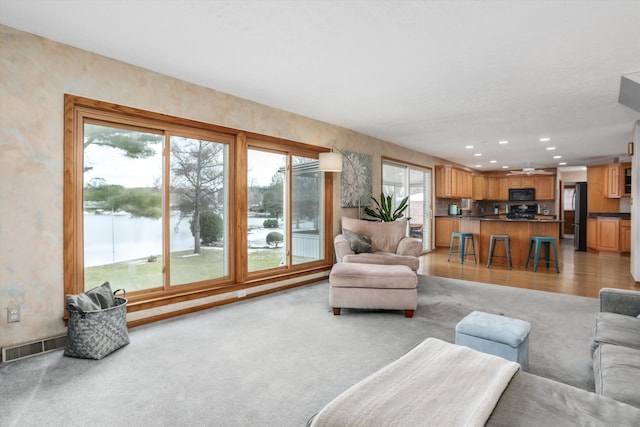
384, 209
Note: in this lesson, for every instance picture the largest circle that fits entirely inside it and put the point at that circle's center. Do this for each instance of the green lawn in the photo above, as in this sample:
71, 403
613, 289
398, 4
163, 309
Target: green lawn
140, 274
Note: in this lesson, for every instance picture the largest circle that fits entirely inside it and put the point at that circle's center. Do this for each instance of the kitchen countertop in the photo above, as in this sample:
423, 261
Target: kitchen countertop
621, 215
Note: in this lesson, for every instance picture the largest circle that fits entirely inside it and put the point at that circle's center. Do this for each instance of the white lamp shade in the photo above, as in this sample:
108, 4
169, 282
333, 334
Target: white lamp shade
330, 162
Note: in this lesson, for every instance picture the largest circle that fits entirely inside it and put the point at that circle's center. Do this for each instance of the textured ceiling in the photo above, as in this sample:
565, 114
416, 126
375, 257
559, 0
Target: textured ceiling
433, 76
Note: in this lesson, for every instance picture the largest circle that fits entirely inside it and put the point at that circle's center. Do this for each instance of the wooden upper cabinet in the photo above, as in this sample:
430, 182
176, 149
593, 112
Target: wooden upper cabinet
514, 182
497, 188
545, 187
464, 187
527, 182
504, 189
493, 190
452, 182
625, 179
612, 181
443, 181
479, 188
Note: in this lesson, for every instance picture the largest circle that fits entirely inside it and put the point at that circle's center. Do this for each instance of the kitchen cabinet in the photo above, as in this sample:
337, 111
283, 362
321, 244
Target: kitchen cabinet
453, 183
493, 190
443, 181
626, 179
514, 182
592, 233
462, 183
520, 181
545, 187
504, 189
612, 181
608, 231
597, 200
444, 227
497, 188
479, 188
486, 188
625, 235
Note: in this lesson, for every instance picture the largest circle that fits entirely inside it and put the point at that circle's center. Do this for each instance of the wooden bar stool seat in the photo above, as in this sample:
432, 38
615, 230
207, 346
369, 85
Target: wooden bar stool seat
507, 247
547, 242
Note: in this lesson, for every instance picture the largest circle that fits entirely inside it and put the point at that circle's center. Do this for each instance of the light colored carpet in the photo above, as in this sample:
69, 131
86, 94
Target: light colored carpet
276, 360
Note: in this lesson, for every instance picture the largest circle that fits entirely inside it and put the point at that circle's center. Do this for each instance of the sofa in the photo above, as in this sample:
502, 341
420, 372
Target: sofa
392, 396
373, 242
616, 346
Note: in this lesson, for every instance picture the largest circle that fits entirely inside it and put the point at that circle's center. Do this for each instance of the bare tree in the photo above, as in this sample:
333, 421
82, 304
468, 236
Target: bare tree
197, 178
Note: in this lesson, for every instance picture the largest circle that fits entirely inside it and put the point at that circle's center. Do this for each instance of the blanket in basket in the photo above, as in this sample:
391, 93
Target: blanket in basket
95, 334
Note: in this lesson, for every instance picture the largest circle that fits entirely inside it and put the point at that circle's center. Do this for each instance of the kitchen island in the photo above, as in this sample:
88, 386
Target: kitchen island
519, 231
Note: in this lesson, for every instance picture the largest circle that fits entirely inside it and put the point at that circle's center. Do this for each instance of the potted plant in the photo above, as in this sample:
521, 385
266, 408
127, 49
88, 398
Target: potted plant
384, 209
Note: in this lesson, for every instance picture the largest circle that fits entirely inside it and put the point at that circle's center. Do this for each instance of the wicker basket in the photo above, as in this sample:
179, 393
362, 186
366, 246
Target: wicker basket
95, 334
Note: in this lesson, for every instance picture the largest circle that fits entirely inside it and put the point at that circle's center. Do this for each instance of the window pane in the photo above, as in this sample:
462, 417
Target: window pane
122, 208
307, 219
199, 203
266, 177
394, 182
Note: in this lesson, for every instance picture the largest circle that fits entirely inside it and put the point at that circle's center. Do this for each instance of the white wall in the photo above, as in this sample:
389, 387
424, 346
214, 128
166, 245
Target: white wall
635, 191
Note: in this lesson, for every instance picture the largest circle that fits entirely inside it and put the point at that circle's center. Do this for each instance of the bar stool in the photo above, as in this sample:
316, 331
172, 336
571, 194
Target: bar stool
507, 247
463, 240
545, 241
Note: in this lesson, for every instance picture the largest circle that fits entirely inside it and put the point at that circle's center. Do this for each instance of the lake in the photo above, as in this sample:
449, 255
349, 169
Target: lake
116, 238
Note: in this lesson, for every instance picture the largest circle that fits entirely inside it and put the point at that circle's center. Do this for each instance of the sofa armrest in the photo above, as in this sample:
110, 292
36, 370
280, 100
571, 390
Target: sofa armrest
409, 246
620, 301
342, 247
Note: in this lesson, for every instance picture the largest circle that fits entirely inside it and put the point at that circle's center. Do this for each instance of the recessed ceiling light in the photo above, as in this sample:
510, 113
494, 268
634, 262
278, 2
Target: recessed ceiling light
504, 141
468, 147
478, 154
557, 157
505, 167
493, 161
545, 139
478, 166
551, 148
562, 163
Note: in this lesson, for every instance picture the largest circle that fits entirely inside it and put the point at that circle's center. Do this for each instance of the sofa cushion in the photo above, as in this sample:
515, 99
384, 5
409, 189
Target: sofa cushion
617, 373
359, 243
345, 275
383, 258
385, 236
618, 329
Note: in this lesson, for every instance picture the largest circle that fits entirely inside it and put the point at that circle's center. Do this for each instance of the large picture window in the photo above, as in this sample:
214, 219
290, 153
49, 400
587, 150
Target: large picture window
161, 206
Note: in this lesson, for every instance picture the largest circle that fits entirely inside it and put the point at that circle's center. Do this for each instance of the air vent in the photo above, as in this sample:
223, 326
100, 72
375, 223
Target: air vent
21, 351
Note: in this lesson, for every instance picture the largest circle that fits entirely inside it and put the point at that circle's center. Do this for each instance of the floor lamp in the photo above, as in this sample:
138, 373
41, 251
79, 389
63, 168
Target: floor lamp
332, 162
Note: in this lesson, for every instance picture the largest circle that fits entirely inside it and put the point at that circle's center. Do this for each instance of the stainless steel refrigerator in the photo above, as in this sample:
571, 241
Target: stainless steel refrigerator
579, 203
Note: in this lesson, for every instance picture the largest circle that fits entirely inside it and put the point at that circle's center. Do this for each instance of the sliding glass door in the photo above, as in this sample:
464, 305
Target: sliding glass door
402, 180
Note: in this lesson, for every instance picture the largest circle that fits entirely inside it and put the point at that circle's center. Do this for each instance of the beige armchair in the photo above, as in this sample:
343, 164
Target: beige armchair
372, 242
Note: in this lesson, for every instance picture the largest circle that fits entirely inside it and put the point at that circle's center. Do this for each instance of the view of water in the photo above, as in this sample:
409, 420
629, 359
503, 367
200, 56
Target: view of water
116, 238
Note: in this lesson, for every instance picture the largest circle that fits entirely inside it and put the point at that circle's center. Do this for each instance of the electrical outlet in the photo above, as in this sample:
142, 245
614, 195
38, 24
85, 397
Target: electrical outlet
13, 314
242, 293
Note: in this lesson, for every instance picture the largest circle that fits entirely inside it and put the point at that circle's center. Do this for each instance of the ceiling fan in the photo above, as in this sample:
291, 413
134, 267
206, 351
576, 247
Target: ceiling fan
530, 171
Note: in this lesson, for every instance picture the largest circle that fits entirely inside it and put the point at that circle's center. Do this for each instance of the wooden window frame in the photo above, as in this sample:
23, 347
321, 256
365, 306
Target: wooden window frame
75, 110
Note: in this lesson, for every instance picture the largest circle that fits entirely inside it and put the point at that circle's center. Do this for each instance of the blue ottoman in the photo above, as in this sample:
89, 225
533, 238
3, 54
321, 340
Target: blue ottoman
497, 335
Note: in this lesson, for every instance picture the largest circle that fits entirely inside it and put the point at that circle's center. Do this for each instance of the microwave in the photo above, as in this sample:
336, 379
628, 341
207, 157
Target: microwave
522, 194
